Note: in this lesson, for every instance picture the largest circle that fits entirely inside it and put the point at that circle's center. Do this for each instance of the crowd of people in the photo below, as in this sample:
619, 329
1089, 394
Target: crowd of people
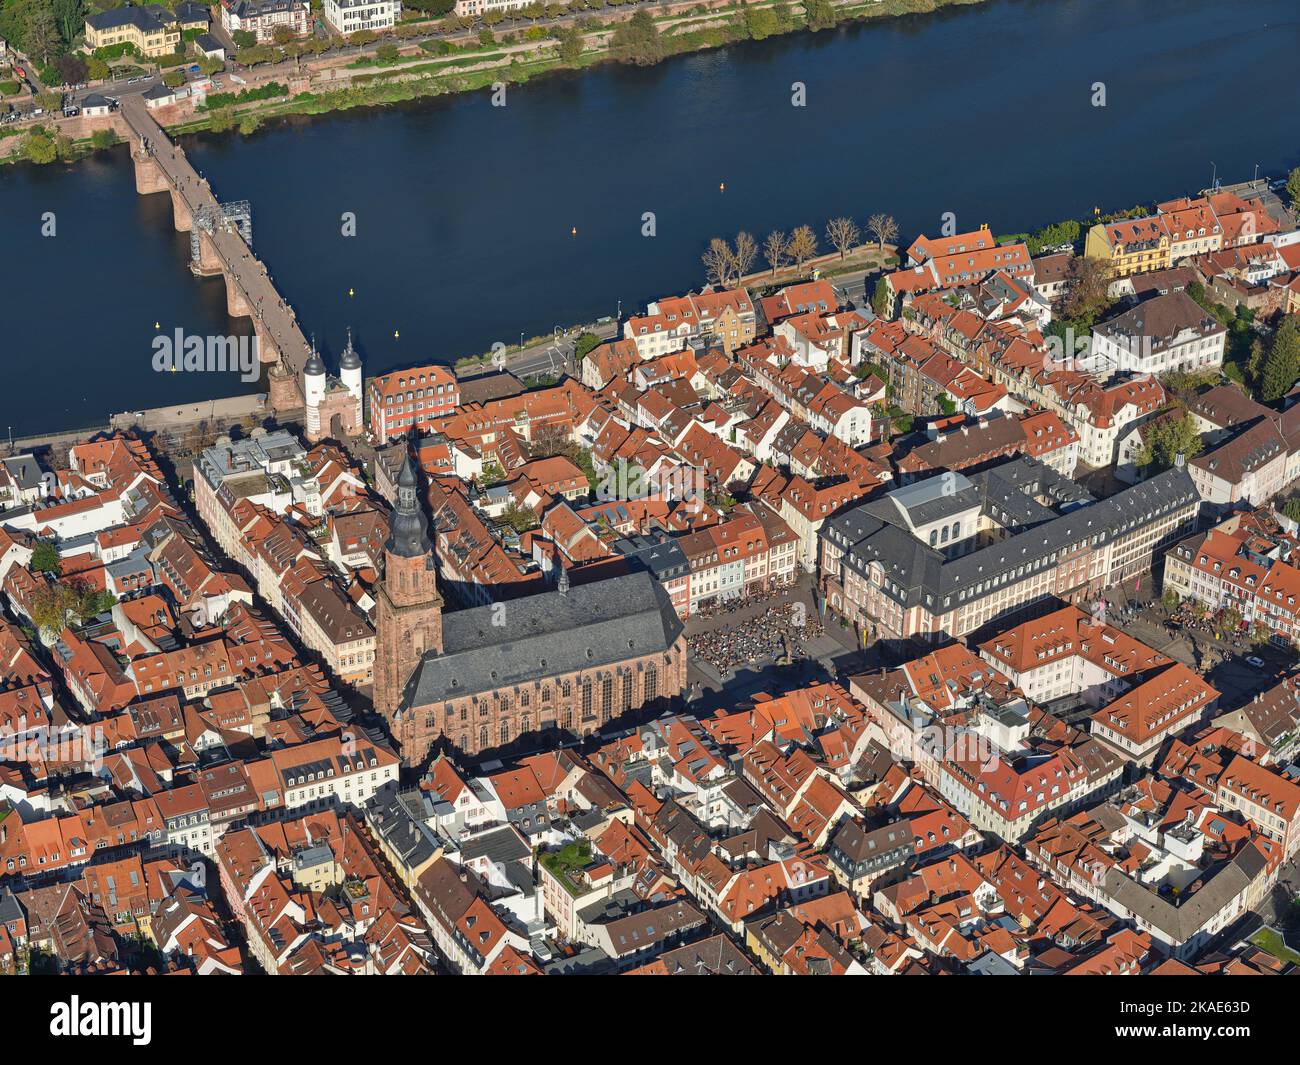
778, 632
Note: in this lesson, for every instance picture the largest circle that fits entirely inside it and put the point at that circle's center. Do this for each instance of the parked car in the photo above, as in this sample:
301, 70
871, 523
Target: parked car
1256, 661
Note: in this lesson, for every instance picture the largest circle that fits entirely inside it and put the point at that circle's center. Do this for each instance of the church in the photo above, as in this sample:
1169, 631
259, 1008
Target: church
570, 659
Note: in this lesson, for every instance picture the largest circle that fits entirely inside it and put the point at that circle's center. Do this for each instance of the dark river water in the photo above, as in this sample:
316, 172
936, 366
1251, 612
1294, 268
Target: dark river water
464, 211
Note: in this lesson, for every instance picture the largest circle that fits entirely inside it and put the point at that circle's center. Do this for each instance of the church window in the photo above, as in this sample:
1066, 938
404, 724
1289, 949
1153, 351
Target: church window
651, 682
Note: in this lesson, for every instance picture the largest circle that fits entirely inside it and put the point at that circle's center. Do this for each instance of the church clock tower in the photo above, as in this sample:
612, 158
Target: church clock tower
408, 606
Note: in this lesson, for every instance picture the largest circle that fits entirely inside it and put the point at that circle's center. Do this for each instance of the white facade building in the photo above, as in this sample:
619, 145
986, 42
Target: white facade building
349, 16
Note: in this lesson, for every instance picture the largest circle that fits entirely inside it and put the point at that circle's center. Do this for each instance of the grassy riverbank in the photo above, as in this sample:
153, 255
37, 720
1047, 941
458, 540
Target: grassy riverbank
412, 77
445, 67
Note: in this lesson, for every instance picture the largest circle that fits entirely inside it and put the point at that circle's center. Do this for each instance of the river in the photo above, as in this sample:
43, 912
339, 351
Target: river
464, 211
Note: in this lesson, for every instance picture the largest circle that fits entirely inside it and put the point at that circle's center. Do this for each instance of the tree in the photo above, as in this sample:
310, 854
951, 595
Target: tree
387, 52
45, 558
883, 228
72, 69
637, 40
93, 603
519, 518
843, 234
1053, 236
821, 14
1293, 188
282, 35
1086, 292
802, 246
70, 19
743, 256
1166, 438
41, 38
718, 259
881, 300
244, 38
103, 138
570, 44
40, 147
1282, 364
761, 22
584, 345
54, 606
774, 249
1292, 508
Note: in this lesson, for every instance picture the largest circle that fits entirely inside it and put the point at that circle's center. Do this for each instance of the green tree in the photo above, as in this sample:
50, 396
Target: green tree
1166, 438
1292, 508
880, 299
69, 18
103, 138
223, 118
1282, 363
637, 41
244, 39
821, 14
92, 604
519, 518
45, 558
1293, 188
584, 345
41, 38
760, 22
570, 44
40, 147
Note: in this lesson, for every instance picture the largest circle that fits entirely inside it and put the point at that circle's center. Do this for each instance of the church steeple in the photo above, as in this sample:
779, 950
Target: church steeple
408, 531
408, 607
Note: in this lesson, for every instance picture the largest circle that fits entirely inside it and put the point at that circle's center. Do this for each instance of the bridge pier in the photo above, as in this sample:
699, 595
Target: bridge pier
149, 176
181, 214
209, 264
266, 347
236, 303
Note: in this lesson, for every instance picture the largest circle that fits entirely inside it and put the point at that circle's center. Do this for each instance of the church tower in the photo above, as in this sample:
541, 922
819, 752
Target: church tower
408, 608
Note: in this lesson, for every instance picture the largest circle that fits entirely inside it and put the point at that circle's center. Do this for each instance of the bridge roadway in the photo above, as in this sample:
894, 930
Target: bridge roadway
161, 166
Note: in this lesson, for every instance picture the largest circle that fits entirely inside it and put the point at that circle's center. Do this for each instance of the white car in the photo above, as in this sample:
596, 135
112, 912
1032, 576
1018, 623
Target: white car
1256, 661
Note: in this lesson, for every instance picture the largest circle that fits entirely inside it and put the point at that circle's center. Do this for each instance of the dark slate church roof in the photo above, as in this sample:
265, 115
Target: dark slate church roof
594, 625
